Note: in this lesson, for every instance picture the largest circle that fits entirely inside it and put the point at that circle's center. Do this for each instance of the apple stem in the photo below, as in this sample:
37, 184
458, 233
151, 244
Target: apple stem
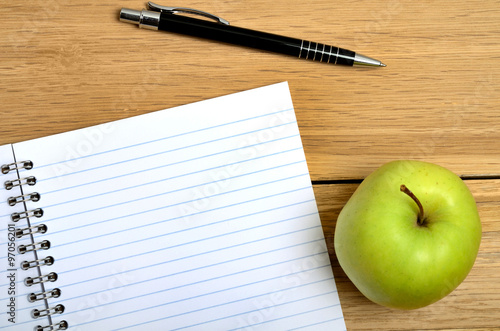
420, 220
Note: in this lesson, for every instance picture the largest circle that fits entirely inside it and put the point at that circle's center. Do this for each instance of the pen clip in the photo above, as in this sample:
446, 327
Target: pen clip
173, 10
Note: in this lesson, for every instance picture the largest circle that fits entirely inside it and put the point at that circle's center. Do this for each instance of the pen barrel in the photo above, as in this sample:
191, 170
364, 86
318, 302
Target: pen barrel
256, 39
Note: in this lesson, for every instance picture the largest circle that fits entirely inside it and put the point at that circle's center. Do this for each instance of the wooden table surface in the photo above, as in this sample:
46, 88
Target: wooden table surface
70, 64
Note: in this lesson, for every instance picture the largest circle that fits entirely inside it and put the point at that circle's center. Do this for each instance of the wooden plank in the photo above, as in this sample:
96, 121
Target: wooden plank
475, 304
66, 66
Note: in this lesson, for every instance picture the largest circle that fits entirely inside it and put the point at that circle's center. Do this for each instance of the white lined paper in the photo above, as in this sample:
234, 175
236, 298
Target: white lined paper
196, 217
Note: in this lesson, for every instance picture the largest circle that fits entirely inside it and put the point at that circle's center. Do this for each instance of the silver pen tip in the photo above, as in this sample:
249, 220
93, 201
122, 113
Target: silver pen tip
383, 65
366, 61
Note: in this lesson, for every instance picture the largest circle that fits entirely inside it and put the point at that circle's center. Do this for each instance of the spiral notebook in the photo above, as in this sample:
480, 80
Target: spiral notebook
199, 217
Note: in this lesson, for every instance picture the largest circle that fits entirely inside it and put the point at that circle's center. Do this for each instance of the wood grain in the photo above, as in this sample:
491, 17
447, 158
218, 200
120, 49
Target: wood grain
70, 65
474, 304
67, 65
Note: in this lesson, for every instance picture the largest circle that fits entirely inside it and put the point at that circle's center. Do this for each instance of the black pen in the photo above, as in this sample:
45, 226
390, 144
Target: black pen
165, 18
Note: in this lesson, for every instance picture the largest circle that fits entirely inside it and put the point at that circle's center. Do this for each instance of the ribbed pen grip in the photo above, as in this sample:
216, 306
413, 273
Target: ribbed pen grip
324, 53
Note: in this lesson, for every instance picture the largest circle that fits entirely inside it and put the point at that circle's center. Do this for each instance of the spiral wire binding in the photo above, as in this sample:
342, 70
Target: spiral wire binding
12, 201
25, 265
34, 246
63, 325
22, 249
10, 184
6, 168
42, 228
55, 293
38, 212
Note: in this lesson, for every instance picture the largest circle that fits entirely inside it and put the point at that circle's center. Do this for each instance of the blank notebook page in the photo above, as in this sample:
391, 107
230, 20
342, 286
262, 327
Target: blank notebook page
199, 217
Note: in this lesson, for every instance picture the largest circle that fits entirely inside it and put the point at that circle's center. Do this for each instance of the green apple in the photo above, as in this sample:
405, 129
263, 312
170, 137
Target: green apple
409, 235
